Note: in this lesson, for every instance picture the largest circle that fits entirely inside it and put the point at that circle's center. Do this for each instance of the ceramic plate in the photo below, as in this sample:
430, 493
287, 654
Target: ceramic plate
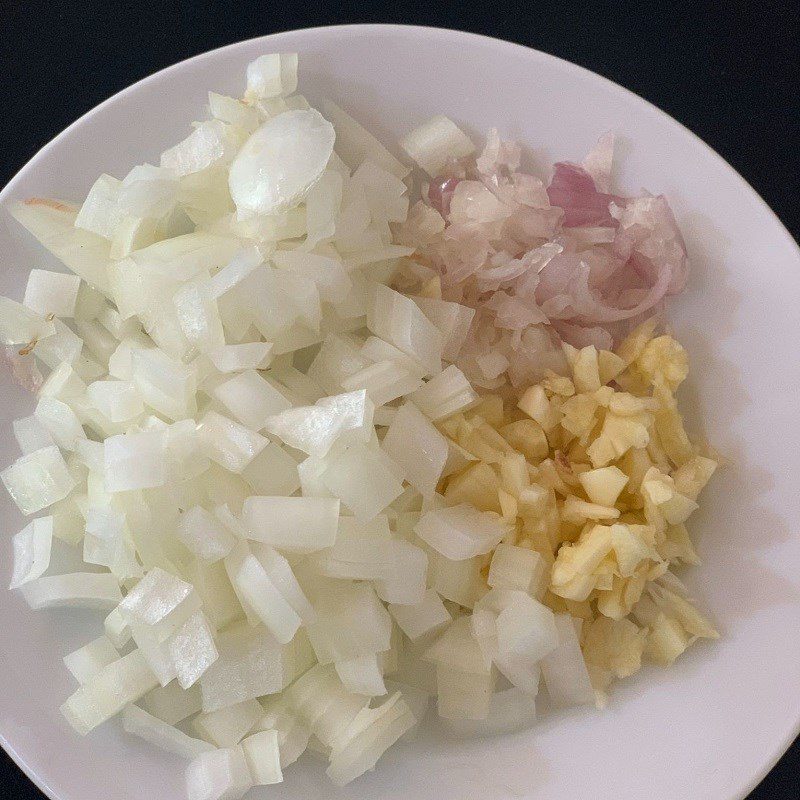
710, 727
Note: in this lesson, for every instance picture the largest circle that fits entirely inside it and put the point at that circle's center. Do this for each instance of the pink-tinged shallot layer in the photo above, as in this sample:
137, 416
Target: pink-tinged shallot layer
571, 261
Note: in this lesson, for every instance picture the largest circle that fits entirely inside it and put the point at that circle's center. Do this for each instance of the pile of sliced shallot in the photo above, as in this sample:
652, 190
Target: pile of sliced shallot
540, 264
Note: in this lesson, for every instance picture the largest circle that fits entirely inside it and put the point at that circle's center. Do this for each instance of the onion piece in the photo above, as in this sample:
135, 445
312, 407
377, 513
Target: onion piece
229, 444
219, 775
271, 75
421, 618
61, 422
87, 661
226, 727
157, 732
355, 144
362, 675
31, 435
120, 683
38, 479
364, 478
399, 321
510, 711
461, 532
134, 461
445, 394
452, 319
51, 293
280, 161
263, 756
52, 224
314, 429
564, 669
371, 733
517, 568
294, 524
351, 622
20, 325
32, 551
252, 663
172, 704
239, 357
417, 447
251, 399
435, 142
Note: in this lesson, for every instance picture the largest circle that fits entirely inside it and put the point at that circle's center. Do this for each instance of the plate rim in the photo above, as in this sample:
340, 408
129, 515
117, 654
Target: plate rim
433, 31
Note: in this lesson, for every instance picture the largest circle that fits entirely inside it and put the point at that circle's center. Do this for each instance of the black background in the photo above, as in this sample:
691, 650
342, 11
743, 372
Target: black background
730, 74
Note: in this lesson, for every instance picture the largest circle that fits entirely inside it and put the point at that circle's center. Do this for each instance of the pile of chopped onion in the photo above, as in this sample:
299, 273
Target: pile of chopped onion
302, 517
539, 264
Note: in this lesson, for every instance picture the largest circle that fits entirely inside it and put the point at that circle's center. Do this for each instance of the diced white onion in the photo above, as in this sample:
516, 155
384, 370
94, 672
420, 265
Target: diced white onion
119, 684
73, 590
417, 447
294, 524
157, 732
461, 532
219, 775
564, 669
421, 618
281, 161
87, 661
32, 551
51, 293
38, 479
227, 726
435, 142
263, 757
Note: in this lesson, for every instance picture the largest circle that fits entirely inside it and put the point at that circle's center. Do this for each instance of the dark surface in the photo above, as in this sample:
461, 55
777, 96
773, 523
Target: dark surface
731, 76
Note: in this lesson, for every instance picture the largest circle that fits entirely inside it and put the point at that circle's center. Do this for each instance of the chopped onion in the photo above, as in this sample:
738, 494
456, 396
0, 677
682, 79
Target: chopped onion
263, 757
52, 223
134, 461
251, 663
171, 703
204, 535
219, 775
32, 551
231, 445
421, 618
461, 532
157, 732
417, 447
351, 622
362, 675
399, 321
120, 683
510, 711
355, 144
226, 727
31, 435
295, 524
38, 479
564, 669
280, 394
281, 161
51, 293
251, 399
89, 660
240, 357
271, 75
436, 142
370, 734
364, 478
61, 422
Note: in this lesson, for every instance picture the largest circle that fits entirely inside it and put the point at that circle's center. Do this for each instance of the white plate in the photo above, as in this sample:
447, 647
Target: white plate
713, 725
